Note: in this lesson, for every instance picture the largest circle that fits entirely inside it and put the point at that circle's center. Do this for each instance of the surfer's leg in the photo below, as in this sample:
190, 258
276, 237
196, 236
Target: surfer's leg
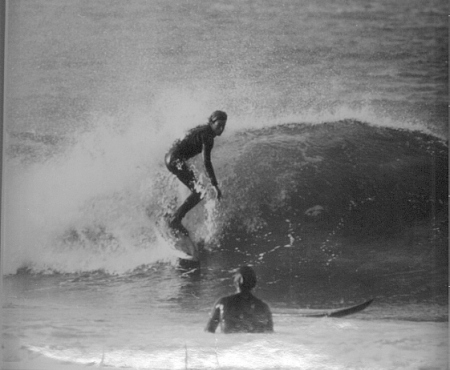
190, 202
187, 177
180, 169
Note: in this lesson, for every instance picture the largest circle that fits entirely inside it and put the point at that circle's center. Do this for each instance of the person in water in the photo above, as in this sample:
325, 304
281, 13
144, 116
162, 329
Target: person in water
241, 312
198, 140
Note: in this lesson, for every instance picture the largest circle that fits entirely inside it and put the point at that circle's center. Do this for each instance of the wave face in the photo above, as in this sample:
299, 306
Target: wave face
342, 193
342, 178
339, 194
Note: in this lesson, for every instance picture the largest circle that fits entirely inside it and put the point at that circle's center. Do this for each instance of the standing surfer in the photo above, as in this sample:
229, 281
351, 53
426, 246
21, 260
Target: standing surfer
198, 140
241, 312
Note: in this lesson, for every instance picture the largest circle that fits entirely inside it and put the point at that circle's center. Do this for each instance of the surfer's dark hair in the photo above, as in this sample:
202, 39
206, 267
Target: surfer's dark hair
245, 278
217, 115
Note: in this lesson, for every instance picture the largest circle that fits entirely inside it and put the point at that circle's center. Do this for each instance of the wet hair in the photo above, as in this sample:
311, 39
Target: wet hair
245, 278
217, 115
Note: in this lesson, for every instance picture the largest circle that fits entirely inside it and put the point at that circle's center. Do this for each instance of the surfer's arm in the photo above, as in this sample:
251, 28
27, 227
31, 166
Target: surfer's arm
207, 147
214, 319
266, 319
270, 321
209, 168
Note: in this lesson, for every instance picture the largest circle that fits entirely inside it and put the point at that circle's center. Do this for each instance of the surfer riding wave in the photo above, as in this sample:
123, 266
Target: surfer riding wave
198, 140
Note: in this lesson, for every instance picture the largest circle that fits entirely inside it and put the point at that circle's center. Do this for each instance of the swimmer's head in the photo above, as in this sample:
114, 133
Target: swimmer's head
245, 278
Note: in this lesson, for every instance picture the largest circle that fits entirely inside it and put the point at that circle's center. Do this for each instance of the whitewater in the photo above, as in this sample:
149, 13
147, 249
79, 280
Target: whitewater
333, 167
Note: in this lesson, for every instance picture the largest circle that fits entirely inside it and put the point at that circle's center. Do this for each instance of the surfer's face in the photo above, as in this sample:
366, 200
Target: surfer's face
218, 126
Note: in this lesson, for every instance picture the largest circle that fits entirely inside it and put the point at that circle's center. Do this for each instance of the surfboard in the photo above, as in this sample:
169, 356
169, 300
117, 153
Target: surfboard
182, 245
339, 312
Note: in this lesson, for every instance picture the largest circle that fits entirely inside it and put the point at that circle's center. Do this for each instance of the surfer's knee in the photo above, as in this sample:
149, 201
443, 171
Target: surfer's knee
174, 165
167, 161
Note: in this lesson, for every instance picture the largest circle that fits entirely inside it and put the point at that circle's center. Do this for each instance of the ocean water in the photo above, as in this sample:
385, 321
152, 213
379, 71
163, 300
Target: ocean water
333, 166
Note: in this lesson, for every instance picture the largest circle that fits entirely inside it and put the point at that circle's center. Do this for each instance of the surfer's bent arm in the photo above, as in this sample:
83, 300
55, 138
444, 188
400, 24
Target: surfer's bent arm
214, 320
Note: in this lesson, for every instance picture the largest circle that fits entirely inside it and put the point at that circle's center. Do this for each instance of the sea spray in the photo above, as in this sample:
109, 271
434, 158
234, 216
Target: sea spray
94, 192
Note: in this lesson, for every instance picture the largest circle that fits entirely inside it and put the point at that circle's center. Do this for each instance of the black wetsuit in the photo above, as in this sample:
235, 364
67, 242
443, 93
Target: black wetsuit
240, 313
199, 139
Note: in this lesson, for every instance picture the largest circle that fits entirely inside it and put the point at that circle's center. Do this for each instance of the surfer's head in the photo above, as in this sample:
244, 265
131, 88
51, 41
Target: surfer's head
217, 121
245, 278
